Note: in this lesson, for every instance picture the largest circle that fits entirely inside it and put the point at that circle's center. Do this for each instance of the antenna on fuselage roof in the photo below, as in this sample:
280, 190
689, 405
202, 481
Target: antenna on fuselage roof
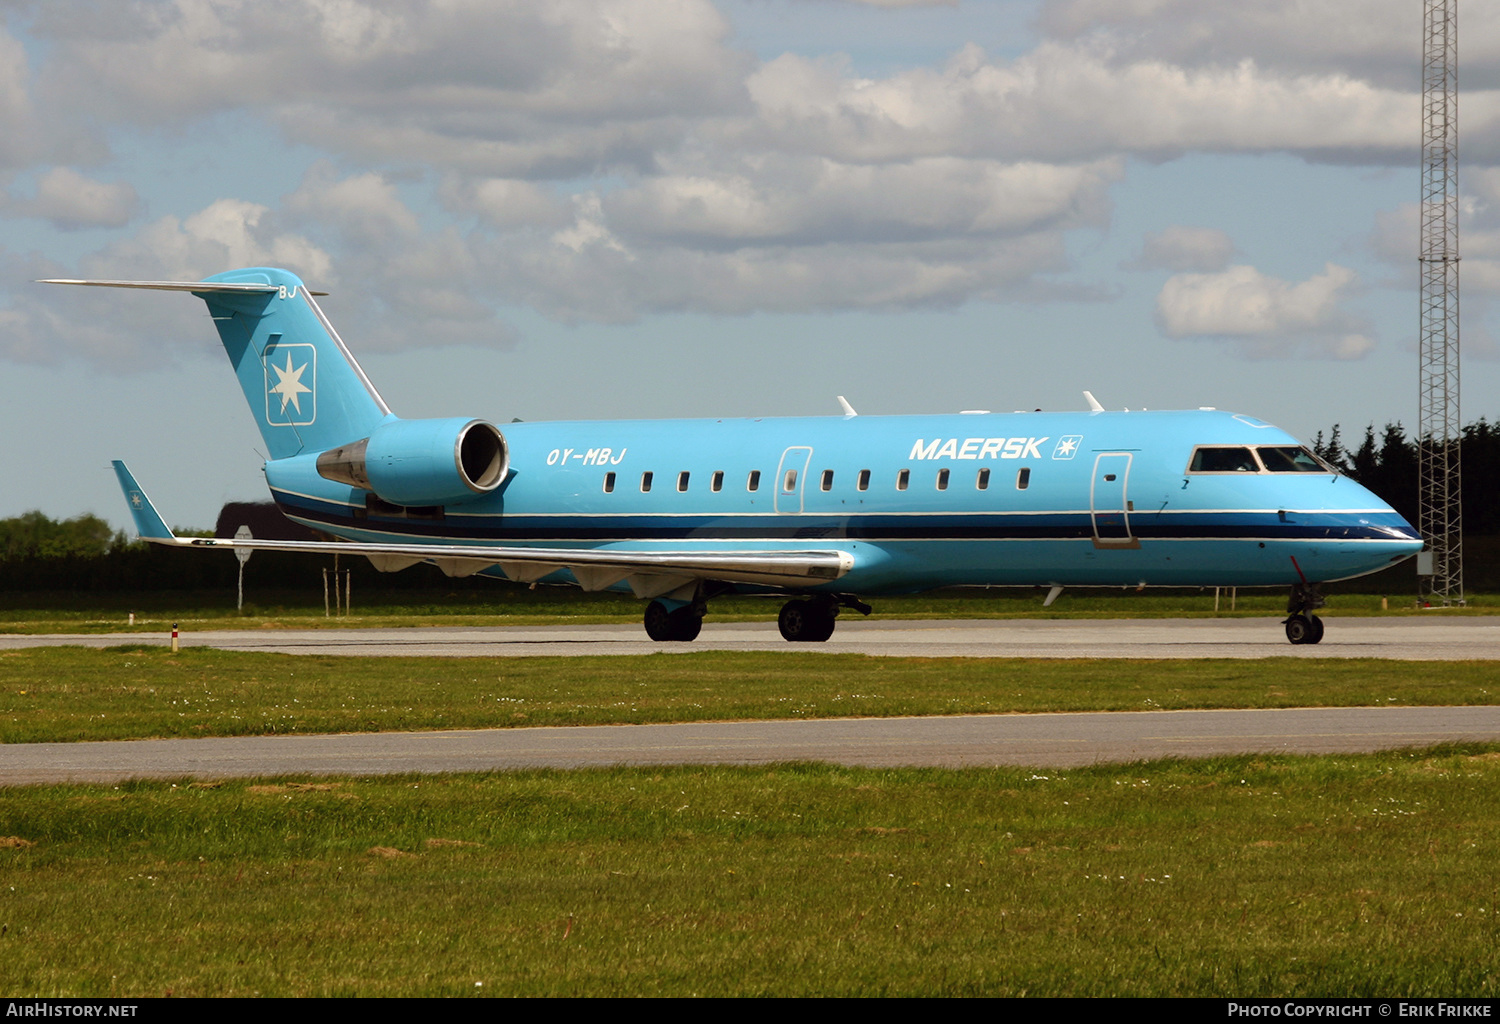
848, 409
1094, 405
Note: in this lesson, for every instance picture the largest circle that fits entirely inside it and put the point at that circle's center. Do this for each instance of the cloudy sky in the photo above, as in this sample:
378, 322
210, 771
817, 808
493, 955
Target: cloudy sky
662, 208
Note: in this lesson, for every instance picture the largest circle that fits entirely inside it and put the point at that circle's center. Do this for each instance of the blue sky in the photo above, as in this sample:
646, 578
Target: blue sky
661, 208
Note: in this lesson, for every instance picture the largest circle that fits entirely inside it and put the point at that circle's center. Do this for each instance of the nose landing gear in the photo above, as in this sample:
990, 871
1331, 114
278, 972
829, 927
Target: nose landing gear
1302, 627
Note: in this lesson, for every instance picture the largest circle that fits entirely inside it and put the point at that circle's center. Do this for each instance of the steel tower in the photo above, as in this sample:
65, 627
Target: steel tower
1440, 566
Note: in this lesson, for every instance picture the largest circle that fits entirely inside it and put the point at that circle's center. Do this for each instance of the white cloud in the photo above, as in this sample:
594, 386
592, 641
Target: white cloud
1075, 102
1183, 248
364, 207
133, 330
614, 158
503, 203
17, 127
499, 87
817, 201
1267, 315
1377, 40
71, 200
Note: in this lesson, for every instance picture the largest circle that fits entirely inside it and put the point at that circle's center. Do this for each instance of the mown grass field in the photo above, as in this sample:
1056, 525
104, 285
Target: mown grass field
1266, 876
139, 691
1256, 876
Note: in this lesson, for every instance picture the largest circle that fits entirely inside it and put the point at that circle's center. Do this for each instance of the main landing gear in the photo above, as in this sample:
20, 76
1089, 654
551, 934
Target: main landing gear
1302, 627
810, 620
681, 624
804, 620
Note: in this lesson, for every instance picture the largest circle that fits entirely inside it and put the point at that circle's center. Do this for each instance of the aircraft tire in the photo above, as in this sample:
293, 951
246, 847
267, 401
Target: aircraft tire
685, 625
806, 621
1300, 630
658, 622
1317, 630
664, 626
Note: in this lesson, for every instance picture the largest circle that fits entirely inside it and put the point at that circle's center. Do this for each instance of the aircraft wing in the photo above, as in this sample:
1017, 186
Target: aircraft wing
648, 573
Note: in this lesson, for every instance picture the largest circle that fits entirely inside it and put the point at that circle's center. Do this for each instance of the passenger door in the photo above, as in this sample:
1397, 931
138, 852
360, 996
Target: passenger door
1109, 505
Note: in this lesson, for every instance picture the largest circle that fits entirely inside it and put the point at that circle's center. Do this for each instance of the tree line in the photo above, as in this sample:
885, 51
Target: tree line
1386, 463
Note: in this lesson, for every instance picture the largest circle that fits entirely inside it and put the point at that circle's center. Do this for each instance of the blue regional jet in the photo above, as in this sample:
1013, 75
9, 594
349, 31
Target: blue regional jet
824, 510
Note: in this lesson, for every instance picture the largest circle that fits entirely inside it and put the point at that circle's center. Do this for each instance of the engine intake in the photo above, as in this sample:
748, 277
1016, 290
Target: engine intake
422, 462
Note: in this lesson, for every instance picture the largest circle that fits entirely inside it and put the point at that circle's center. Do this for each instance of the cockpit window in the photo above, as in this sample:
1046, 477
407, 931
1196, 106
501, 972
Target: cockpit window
1292, 460
1223, 460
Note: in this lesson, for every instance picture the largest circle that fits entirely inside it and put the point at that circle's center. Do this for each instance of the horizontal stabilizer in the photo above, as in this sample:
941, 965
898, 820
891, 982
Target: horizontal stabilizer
200, 287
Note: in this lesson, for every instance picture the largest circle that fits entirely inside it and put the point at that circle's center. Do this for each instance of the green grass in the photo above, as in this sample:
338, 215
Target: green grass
1266, 876
505, 604
136, 691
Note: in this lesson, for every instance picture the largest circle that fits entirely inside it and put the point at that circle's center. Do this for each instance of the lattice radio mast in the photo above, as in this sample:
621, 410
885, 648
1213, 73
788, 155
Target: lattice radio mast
1440, 566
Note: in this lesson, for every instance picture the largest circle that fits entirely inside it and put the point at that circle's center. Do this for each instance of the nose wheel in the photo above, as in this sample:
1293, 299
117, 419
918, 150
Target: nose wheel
1304, 629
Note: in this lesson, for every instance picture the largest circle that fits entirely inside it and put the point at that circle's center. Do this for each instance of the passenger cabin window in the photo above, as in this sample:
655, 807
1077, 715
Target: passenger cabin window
717, 483
864, 480
902, 479
982, 481
1223, 460
645, 481
942, 480
1023, 478
753, 483
609, 483
827, 482
682, 480
1291, 460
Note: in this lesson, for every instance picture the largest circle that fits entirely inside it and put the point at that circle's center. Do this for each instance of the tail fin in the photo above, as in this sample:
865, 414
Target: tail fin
305, 389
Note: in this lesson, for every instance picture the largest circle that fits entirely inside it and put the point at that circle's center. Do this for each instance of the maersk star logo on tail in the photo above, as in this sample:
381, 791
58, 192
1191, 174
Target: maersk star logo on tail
291, 375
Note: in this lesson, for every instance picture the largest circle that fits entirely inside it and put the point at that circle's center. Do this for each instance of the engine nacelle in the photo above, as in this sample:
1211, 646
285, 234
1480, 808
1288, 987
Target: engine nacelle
422, 462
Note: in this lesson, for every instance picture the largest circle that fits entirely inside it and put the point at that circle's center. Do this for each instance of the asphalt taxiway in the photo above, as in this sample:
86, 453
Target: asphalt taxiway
1041, 740
1435, 637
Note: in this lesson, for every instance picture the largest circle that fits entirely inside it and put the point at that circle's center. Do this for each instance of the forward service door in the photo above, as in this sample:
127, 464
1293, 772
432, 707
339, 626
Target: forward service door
1109, 505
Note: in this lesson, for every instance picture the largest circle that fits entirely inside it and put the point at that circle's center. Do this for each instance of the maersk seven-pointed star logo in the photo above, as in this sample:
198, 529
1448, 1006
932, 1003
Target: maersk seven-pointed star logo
1067, 446
291, 385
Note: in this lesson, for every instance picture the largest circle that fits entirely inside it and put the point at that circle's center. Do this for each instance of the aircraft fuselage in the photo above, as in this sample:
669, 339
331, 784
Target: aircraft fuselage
1073, 499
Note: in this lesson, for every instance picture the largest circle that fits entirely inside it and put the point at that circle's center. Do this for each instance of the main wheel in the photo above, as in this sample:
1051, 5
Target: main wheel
806, 621
1300, 629
658, 622
685, 625
663, 626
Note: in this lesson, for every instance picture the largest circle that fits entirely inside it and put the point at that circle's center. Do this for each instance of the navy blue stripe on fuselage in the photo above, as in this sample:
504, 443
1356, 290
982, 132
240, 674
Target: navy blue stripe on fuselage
873, 526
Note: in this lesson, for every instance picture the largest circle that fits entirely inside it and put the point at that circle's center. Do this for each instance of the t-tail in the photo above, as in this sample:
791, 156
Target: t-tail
305, 390
310, 398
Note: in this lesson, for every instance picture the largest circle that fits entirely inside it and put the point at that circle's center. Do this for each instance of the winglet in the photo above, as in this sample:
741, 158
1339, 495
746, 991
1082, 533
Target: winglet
848, 409
1094, 405
149, 524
